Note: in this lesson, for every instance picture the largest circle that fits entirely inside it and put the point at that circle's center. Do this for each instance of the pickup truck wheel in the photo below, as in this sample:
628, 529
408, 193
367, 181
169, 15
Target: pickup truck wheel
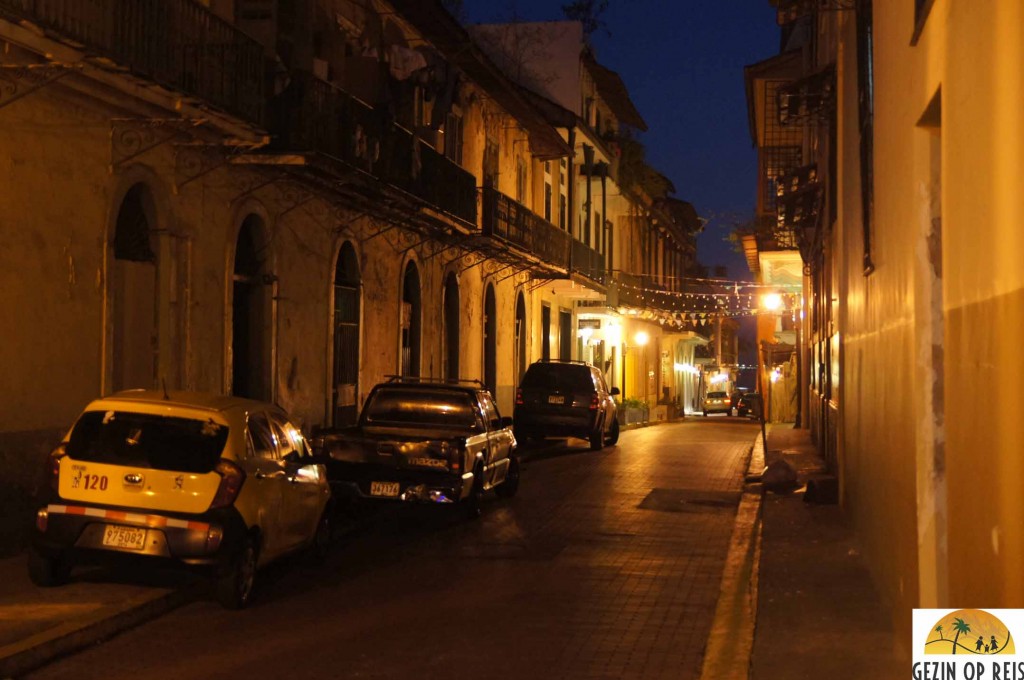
613, 433
508, 488
597, 438
46, 572
235, 585
472, 505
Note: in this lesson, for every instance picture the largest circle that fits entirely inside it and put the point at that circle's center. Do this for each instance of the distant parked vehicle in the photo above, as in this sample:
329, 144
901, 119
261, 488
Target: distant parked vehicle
566, 399
198, 479
424, 441
749, 405
717, 402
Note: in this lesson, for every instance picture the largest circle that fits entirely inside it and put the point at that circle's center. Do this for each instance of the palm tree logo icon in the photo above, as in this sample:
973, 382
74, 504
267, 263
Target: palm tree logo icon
993, 636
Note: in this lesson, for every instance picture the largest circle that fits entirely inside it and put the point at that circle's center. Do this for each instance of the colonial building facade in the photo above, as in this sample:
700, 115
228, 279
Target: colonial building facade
286, 201
901, 199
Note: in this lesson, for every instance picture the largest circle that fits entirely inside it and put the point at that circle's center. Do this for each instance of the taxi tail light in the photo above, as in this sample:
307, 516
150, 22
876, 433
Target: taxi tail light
519, 396
231, 478
53, 466
594, 403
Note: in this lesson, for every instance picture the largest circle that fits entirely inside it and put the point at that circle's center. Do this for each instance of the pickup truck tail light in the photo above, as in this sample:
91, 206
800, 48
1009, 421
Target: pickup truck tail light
53, 466
454, 453
231, 478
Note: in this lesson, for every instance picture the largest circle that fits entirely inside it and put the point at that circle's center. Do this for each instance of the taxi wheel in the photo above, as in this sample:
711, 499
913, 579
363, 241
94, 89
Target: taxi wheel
324, 534
234, 587
613, 433
510, 486
46, 571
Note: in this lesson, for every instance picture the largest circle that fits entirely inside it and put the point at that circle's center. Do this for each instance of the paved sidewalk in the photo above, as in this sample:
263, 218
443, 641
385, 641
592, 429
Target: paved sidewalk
818, 614
40, 624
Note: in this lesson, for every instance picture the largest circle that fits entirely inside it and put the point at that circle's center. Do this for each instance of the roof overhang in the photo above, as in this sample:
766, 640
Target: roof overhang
451, 39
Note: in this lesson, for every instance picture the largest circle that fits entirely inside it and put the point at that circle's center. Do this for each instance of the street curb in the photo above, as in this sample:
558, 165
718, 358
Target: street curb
731, 641
26, 655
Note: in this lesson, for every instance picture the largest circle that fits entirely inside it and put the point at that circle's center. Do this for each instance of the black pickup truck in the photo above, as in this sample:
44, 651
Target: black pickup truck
424, 441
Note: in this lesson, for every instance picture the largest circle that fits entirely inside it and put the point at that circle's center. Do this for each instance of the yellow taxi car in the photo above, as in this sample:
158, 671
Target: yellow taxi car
200, 479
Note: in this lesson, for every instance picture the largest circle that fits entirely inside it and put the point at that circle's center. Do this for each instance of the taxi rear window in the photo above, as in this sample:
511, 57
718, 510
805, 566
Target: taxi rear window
146, 440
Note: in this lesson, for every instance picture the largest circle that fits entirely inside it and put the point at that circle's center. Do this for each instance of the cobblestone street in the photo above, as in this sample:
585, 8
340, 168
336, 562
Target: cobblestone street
606, 565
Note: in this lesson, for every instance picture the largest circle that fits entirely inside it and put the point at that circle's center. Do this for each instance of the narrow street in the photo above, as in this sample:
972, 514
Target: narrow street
606, 565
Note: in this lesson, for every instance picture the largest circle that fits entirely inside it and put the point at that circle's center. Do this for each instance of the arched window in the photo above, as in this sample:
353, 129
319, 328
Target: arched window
451, 328
346, 337
411, 319
251, 314
490, 341
134, 282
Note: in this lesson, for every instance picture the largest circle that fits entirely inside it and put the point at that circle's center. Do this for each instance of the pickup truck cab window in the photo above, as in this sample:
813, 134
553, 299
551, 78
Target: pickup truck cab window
490, 411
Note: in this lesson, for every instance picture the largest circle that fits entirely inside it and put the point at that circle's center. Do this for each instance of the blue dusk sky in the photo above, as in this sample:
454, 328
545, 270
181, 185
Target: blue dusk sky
682, 61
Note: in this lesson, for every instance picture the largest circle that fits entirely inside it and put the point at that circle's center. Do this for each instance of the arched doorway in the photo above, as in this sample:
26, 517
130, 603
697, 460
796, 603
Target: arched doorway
490, 341
451, 328
251, 314
135, 323
520, 337
346, 337
411, 315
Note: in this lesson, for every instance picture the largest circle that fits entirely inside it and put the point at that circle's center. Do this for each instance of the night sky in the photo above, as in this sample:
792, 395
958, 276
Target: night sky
682, 61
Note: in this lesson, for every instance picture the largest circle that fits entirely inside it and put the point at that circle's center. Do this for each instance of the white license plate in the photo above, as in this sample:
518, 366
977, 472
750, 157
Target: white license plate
556, 399
384, 488
130, 538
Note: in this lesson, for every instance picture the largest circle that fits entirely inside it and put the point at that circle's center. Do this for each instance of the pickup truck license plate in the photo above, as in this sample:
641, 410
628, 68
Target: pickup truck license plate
556, 399
124, 537
383, 488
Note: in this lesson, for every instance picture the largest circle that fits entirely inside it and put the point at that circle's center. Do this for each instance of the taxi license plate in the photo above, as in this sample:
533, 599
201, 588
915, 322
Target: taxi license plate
129, 538
556, 399
383, 488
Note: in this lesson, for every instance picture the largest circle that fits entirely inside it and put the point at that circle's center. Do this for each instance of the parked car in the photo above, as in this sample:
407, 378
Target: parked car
750, 405
197, 479
566, 399
717, 402
425, 441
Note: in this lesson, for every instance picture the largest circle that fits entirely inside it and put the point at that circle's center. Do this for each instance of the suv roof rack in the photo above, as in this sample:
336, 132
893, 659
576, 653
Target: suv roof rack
436, 381
563, 361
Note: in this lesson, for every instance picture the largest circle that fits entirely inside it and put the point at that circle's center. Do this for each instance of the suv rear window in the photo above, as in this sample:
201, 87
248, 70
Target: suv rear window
560, 377
418, 406
717, 395
146, 440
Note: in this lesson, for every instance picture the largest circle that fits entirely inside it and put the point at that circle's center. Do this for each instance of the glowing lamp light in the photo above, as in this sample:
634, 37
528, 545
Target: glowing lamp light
776, 374
772, 302
720, 377
585, 334
641, 338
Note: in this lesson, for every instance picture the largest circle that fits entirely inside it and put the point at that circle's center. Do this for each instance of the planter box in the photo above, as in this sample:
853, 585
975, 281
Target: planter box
630, 416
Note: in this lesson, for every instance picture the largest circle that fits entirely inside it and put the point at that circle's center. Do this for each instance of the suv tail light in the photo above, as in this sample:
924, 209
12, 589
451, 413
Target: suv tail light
53, 466
231, 478
594, 403
519, 395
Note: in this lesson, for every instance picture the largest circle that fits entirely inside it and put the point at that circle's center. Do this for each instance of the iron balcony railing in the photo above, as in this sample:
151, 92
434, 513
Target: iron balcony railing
312, 115
588, 262
514, 223
178, 44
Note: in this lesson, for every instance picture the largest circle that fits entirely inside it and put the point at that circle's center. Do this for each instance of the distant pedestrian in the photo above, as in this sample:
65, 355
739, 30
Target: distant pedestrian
994, 645
979, 644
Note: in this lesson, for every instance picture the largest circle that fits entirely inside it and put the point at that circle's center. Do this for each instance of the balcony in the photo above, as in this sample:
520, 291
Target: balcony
512, 222
176, 43
588, 262
316, 117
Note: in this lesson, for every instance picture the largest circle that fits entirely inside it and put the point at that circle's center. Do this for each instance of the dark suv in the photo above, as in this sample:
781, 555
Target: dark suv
566, 399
